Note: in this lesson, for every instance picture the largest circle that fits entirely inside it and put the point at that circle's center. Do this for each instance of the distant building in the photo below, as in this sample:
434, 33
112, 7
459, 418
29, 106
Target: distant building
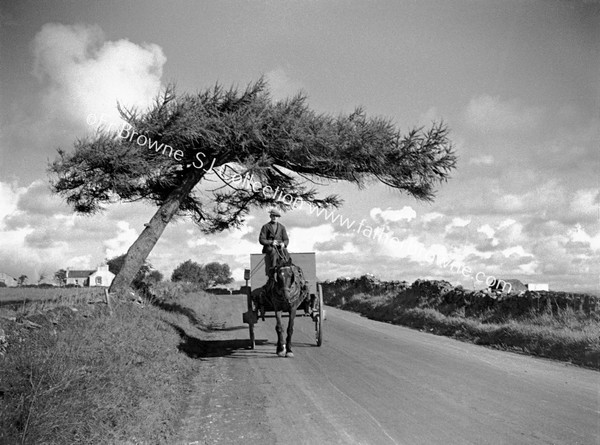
538, 286
8, 280
90, 278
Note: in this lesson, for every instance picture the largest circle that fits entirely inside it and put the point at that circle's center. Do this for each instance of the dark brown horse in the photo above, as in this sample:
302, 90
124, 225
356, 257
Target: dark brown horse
287, 290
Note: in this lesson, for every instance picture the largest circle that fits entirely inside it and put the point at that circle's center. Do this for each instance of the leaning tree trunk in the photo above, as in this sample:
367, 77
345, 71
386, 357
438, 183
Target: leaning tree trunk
141, 248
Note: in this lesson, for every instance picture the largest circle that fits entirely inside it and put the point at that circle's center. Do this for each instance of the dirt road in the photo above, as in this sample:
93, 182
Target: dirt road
374, 383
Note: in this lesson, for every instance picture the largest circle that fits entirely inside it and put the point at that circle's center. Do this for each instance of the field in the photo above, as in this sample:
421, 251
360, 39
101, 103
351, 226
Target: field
14, 295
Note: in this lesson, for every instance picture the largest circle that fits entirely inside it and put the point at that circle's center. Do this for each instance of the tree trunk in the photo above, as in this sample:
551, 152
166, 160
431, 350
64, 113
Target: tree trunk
141, 248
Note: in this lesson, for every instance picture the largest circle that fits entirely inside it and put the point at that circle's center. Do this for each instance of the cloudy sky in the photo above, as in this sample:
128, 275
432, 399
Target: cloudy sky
517, 82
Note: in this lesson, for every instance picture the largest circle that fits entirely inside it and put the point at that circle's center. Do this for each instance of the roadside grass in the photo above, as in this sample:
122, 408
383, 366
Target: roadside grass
73, 373
561, 334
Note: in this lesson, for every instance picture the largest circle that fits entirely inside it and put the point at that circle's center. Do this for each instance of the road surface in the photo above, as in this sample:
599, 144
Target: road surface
375, 383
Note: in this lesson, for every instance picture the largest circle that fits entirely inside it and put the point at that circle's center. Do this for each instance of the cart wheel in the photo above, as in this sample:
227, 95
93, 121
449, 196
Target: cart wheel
319, 320
250, 325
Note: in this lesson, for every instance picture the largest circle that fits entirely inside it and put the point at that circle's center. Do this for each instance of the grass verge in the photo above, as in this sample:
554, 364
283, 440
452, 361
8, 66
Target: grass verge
70, 372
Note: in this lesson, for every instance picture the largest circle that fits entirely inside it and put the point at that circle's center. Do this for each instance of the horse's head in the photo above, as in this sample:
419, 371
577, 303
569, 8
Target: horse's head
289, 281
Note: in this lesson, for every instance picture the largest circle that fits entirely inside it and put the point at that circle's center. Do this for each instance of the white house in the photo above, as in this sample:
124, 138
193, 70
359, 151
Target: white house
102, 277
90, 278
8, 280
538, 286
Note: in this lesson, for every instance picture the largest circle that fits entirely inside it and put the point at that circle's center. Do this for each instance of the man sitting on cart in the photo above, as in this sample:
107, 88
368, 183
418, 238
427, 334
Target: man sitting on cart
274, 240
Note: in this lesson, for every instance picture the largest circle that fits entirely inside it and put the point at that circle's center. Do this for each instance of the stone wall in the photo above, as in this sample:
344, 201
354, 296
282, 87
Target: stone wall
336, 293
447, 299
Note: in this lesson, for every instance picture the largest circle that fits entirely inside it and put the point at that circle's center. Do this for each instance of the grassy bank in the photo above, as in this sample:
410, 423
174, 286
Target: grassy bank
72, 372
554, 331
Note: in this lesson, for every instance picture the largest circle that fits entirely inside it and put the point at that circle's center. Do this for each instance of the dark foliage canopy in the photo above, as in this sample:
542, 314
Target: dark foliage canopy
145, 275
220, 132
60, 276
190, 272
218, 273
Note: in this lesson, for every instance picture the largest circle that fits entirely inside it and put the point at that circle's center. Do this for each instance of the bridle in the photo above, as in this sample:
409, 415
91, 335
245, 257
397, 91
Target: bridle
288, 277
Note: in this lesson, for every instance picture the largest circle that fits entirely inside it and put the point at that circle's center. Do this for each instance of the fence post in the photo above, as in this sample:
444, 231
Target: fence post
108, 303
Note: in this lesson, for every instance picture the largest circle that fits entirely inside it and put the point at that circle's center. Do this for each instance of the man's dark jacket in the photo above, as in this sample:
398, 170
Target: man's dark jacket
270, 232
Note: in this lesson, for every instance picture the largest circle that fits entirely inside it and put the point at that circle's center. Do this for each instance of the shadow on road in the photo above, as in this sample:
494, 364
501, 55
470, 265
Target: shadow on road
196, 348
222, 328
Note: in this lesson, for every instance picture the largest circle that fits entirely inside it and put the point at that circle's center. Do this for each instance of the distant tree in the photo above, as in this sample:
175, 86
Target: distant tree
204, 275
45, 285
116, 263
60, 276
22, 280
217, 273
154, 277
42, 277
191, 272
146, 274
182, 140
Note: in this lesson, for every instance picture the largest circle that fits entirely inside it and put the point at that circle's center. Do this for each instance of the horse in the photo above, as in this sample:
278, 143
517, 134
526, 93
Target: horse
286, 291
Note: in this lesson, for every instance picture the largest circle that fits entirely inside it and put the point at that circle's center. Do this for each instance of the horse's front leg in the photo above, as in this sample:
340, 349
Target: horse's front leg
279, 329
290, 331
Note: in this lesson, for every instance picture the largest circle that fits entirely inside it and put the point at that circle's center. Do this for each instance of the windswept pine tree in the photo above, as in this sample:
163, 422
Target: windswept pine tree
163, 155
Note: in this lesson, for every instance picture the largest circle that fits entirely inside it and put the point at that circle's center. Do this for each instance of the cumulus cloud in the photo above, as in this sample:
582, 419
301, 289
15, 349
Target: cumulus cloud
81, 262
487, 113
305, 239
511, 203
235, 243
550, 200
547, 197
84, 74
585, 203
38, 232
9, 199
406, 213
340, 244
124, 238
38, 200
487, 230
482, 160
432, 216
515, 250
457, 222
579, 235
496, 246
282, 85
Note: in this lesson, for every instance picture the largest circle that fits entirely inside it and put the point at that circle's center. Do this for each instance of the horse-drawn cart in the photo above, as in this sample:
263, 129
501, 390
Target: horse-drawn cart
310, 307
